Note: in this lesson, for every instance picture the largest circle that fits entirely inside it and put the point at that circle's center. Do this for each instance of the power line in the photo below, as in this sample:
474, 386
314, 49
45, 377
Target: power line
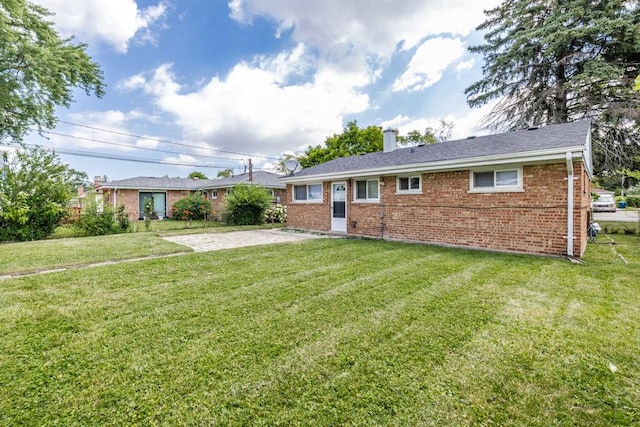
131, 146
165, 141
128, 158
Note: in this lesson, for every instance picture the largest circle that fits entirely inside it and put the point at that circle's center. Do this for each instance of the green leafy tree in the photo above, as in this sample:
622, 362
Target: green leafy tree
197, 175
35, 189
225, 173
38, 70
554, 62
430, 136
353, 140
247, 204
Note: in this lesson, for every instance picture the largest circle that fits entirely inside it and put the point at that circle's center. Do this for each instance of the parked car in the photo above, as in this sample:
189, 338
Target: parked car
604, 203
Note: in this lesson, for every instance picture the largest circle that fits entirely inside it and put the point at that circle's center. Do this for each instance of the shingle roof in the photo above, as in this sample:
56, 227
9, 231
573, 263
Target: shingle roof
155, 183
266, 179
552, 137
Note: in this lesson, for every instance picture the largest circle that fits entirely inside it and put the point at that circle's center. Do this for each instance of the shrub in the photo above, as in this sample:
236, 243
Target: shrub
276, 213
194, 206
633, 201
97, 218
247, 204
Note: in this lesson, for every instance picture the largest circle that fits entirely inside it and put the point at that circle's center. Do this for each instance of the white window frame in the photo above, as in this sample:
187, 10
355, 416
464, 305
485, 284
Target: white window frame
409, 190
214, 194
307, 200
367, 199
496, 188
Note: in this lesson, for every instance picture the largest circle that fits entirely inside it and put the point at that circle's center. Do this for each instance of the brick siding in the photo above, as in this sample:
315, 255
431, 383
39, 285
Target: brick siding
530, 221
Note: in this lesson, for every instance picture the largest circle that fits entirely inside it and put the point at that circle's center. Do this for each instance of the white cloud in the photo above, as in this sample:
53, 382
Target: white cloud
101, 130
257, 105
465, 65
336, 25
466, 122
429, 63
115, 22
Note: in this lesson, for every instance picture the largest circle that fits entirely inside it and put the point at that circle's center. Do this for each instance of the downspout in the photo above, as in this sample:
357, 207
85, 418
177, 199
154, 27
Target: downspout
570, 204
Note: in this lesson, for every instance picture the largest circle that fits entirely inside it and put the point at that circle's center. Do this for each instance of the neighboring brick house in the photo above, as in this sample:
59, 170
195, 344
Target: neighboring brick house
522, 191
165, 192
217, 189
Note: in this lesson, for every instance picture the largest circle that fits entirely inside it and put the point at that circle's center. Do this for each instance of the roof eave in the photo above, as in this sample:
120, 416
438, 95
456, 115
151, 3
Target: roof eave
466, 163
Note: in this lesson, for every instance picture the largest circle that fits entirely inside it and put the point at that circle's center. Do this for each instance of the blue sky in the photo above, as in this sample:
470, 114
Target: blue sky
215, 82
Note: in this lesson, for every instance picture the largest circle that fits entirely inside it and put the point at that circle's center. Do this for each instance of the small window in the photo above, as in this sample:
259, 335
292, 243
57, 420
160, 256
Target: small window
409, 184
497, 180
214, 194
367, 189
311, 193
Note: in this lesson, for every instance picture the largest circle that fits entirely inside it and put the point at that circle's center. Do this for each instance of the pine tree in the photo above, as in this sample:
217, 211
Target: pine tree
554, 61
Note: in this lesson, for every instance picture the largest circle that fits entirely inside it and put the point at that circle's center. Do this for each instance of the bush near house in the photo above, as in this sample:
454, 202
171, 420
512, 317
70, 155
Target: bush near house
98, 220
246, 205
633, 201
194, 206
276, 213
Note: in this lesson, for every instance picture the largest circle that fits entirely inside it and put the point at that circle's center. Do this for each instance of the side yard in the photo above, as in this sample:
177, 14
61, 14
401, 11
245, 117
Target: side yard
327, 332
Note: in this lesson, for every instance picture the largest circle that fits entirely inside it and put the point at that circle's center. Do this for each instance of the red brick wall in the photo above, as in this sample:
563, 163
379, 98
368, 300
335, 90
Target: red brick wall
310, 216
532, 221
130, 199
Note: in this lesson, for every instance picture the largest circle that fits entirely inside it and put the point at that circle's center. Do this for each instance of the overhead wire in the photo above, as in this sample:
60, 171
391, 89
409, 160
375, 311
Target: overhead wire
130, 146
165, 140
128, 158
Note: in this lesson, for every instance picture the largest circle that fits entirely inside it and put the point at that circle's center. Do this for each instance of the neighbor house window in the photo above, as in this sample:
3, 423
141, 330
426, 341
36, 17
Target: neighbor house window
214, 194
497, 180
309, 192
409, 184
367, 189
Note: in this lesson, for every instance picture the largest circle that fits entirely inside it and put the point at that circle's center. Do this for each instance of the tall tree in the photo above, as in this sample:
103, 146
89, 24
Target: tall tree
430, 136
38, 70
225, 173
552, 61
34, 191
353, 140
197, 175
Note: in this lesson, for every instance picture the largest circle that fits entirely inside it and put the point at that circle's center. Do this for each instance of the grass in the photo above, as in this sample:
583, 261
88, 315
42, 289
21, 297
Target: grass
27, 257
327, 332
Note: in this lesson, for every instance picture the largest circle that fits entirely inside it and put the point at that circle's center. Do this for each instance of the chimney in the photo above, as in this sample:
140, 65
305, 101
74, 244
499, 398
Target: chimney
389, 140
97, 182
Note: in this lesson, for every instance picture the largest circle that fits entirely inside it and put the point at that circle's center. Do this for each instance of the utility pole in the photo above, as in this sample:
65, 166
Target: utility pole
250, 171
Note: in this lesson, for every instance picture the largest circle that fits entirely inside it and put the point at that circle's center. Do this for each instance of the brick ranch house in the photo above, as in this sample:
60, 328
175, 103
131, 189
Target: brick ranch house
523, 191
132, 192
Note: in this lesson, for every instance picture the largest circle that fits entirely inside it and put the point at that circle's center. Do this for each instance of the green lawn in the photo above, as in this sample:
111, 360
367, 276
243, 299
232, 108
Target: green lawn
327, 332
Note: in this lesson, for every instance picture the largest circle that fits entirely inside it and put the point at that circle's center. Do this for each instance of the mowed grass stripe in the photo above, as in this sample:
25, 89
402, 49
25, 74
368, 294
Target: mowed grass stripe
324, 332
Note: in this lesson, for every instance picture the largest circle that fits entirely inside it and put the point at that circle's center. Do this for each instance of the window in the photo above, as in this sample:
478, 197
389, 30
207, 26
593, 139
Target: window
214, 194
497, 180
310, 193
367, 189
409, 184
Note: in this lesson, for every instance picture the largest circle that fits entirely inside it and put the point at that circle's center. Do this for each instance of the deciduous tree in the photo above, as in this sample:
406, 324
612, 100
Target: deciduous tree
34, 193
38, 70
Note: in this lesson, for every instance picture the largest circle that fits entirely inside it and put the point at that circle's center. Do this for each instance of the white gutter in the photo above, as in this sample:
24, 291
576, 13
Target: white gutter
511, 158
570, 203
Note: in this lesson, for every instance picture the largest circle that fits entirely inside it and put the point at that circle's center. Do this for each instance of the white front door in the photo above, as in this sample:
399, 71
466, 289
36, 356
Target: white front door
339, 207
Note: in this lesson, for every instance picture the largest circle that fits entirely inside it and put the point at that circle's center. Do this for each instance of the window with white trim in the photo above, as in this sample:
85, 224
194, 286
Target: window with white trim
409, 184
214, 194
367, 190
496, 180
307, 193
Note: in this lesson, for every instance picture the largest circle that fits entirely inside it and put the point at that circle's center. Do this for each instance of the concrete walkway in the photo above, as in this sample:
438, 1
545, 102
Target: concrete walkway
238, 239
199, 243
